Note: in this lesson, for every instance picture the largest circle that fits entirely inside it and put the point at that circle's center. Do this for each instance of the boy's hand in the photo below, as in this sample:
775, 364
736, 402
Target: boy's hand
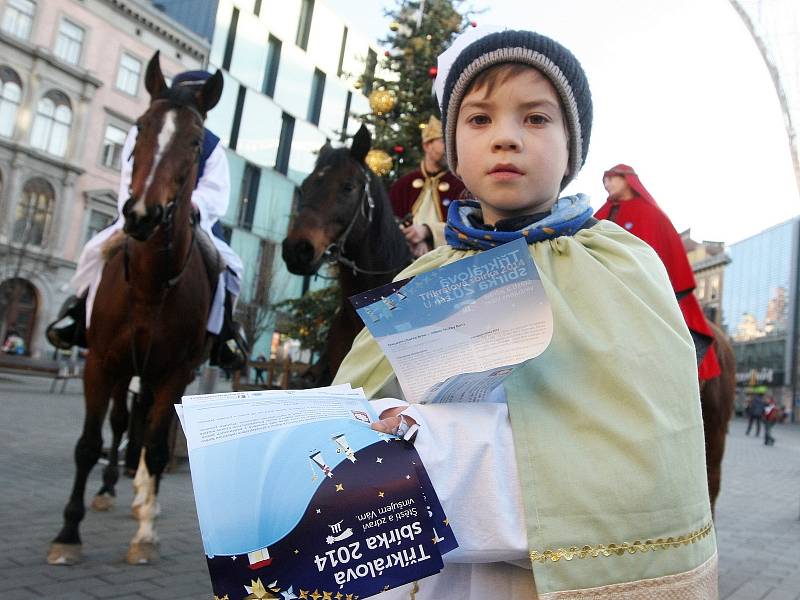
391, 420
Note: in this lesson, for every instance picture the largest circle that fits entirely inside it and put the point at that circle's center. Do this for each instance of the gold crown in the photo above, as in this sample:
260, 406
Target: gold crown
432, 130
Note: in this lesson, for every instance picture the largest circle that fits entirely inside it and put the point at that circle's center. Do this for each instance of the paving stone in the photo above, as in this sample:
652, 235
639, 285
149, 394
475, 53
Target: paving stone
756, 519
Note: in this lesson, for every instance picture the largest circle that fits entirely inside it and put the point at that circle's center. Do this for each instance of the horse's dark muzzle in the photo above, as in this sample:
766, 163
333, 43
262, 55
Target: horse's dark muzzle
141, 227
299, 256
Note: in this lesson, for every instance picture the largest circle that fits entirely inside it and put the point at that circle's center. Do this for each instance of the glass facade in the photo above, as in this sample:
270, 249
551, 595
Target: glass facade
759, 304
758, 284
280, 60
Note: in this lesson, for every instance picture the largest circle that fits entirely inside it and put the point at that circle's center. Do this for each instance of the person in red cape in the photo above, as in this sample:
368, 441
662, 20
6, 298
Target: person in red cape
631, 206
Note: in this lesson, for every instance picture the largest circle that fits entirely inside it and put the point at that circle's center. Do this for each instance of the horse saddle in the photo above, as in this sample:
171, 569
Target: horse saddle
212, 259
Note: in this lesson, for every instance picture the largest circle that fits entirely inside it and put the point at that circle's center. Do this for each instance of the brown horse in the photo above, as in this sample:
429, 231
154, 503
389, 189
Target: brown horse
344, 216
150, 312
716, 400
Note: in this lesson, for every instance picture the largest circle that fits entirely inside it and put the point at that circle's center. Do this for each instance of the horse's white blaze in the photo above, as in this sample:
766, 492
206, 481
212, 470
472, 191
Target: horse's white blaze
145, 486
164, 138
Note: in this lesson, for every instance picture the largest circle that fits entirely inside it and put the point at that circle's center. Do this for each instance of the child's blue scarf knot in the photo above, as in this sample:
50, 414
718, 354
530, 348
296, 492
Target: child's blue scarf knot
567, 216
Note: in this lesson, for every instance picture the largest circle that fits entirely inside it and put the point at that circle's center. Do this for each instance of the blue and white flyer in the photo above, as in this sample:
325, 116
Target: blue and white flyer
455, 333
297, 497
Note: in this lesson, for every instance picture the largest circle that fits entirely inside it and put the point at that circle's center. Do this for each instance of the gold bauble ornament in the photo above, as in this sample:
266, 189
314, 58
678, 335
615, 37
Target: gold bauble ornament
382, 101
394, 25
379, 162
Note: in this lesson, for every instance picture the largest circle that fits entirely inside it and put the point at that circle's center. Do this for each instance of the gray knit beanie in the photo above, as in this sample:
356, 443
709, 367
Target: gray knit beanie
479, 49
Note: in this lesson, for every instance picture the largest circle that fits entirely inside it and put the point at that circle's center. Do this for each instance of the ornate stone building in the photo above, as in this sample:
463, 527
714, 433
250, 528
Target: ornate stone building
70, 88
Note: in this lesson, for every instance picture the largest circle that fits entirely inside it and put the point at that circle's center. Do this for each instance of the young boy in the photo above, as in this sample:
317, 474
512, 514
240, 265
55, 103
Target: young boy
591, 473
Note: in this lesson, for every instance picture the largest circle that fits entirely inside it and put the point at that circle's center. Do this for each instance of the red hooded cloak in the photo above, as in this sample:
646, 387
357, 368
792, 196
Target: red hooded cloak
644, 218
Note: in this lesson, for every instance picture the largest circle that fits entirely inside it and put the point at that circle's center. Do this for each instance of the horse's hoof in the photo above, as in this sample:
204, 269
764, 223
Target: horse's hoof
103, 502
64, 554
142, 553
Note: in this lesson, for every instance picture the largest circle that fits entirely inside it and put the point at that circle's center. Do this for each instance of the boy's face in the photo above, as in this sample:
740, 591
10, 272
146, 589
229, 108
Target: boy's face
512, 146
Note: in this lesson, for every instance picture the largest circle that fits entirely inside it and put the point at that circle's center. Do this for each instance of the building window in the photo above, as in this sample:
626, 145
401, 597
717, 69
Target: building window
340, 68
285, 144
97, 222
315, 101
271, 70
249, 196
10, 95
700, 291
69, 42
237, 118
51, 125
713, 288
230, 41
304, 24
369, 71
130, 68
113, 142
18, 18
346, 118
34, 215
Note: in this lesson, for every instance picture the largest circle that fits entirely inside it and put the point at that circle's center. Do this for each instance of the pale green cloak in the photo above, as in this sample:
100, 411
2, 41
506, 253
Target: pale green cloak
606, 421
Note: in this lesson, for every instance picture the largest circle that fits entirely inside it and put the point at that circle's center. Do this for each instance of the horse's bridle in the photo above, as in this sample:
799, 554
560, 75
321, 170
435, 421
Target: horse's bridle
365, 207
334, 253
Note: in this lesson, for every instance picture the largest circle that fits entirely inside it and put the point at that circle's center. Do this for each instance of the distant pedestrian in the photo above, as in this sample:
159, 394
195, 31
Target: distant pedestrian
259, 362
13, 344
755, 411
772, 414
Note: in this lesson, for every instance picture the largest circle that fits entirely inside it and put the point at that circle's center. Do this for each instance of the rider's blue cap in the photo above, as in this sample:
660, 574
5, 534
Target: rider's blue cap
191, 78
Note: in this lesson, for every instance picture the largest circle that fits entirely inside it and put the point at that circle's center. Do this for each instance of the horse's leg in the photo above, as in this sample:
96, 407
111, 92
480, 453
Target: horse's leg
66, 547
136, 433
155, 455
106, 496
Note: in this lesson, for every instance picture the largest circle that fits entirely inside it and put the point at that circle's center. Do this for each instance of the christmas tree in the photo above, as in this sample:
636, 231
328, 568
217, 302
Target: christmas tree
402, 100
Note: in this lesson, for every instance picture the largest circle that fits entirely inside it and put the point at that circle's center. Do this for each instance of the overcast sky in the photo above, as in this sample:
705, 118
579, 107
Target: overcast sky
680, 93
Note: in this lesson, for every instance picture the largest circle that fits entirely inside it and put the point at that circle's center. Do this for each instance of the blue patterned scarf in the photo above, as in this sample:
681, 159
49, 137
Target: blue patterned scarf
566, 217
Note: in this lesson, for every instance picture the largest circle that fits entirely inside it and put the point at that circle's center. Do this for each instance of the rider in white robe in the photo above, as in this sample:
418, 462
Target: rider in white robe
210, 198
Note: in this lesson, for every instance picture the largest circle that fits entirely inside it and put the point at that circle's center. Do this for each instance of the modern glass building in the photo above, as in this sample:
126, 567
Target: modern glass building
759, 309
290, 71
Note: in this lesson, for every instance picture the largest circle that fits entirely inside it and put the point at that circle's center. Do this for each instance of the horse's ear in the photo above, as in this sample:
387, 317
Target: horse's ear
362, 141
154, 81
324, 151
211, 92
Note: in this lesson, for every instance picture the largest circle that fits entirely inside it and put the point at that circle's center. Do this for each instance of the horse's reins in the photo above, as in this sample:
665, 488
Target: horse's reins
167, 221
334, 253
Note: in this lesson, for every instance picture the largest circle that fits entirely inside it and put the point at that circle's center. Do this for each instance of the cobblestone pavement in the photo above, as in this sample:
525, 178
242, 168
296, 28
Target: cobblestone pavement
757, 513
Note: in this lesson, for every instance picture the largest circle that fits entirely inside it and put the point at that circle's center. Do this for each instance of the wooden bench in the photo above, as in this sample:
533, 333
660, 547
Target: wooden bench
59, 370
278, 375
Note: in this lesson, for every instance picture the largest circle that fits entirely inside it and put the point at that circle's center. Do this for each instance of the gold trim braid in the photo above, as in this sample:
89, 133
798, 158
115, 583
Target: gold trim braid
620, 549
